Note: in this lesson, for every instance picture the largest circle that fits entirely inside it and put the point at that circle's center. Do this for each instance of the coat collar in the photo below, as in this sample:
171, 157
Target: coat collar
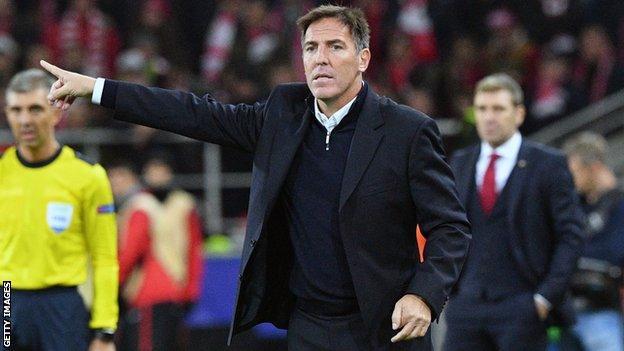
366, 138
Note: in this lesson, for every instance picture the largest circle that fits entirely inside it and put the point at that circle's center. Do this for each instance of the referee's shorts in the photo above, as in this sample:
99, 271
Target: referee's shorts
48, 319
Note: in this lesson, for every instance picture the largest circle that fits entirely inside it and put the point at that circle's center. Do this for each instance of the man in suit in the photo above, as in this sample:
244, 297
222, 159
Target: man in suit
526, 226
341, 177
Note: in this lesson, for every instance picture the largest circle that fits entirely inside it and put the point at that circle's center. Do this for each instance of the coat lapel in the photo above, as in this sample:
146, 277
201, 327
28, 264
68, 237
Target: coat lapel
366, 139
465, 179
286, 142
517, 184
518, 178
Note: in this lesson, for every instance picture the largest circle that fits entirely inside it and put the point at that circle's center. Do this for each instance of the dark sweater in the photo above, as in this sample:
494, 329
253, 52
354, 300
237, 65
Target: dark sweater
320, 278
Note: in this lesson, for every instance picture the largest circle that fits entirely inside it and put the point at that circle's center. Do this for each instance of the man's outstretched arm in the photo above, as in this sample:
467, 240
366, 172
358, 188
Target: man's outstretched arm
201, 118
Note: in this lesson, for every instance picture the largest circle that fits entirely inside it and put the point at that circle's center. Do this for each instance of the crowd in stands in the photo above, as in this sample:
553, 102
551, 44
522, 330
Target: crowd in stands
427, 54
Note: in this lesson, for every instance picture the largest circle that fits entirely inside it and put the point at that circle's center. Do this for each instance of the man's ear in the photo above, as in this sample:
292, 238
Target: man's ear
520, 115
364, 57
56, 117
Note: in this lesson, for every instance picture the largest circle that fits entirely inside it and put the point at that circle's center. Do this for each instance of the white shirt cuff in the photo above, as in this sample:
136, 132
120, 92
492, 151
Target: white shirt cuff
98, 89
541, 299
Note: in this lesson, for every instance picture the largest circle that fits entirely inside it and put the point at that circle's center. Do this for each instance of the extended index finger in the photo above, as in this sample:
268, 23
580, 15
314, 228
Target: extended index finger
57, 72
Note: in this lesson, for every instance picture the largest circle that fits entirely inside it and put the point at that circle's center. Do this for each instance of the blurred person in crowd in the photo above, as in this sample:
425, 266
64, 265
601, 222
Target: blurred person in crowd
399, 65
419, 98
461, 72
58, 220
243, 38
416, 24
34, 54
20, 25
84, 39
7, 16
509, 47
378, 16
9, 53
220, 39
548, 19
159, 256
597, 72
550, 96
526, 226
156, 21
78, 117
281, 74
141, 62
338, 171
596, 285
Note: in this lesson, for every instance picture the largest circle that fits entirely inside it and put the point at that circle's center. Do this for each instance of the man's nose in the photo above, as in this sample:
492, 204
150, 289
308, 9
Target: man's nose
489, 115
24, 118
321, 56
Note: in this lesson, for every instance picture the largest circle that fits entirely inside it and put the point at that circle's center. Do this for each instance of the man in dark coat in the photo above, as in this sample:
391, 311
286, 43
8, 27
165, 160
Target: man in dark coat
526, 226
341, 177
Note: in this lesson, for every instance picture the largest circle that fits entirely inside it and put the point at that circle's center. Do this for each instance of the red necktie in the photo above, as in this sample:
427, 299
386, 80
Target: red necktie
488, 188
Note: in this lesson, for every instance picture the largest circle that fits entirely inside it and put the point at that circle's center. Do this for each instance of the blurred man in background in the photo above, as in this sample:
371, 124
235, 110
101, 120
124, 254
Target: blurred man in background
159, 257
596, 285
57, 218
526, 226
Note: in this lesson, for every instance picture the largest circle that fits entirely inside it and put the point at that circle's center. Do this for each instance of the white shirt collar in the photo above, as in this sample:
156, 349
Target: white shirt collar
331, 122
508, 149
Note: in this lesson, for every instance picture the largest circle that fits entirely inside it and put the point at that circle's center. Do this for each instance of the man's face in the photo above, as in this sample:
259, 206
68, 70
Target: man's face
332, 63
497, 117
31, 118
121, 181
581, 173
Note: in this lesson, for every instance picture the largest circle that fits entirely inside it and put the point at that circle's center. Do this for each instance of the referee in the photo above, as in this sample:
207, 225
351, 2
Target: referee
57, 217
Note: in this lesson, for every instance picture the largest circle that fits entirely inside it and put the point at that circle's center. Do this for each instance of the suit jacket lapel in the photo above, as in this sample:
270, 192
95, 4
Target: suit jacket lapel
518, 178
365, 141
286, 142
465, 179
516, 184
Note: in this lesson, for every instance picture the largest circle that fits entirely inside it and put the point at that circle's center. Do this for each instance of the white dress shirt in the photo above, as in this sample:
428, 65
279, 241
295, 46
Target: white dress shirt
508, 156
331, 122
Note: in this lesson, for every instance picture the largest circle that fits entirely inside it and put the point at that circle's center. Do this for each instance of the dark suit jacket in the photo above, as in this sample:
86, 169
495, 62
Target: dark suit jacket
395, 177
545, 218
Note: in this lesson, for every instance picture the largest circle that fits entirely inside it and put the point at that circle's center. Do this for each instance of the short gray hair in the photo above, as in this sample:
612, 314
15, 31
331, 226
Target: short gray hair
353, 18
30, 80
589, 147
501, 81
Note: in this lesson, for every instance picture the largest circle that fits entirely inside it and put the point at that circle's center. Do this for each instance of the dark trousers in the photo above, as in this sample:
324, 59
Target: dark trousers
309, 332
511, 323
157, 328
48, 320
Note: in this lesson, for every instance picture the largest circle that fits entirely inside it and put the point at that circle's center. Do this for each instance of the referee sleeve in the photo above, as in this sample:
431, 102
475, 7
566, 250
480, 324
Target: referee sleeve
100, 230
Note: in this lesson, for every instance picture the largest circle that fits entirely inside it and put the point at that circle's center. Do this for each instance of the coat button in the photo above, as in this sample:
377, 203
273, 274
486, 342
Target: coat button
252, 243
240, 276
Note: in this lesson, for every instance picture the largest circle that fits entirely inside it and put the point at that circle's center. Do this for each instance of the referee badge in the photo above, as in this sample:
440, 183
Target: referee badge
59, 216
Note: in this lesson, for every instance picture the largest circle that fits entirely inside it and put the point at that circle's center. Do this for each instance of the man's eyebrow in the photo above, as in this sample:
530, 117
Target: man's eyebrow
330, 42
336, 41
